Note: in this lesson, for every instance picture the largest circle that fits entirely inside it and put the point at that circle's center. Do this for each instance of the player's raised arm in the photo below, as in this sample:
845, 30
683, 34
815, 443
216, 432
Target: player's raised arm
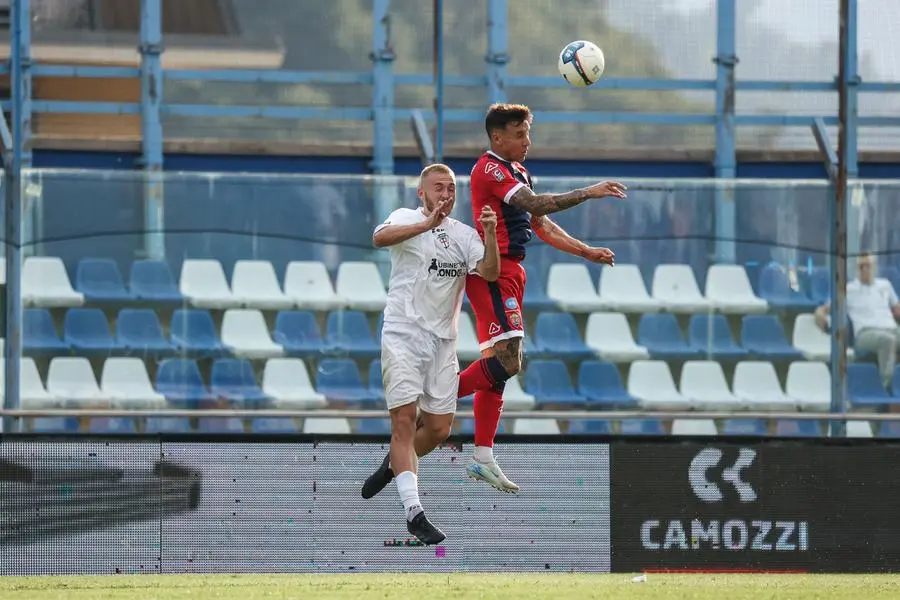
489, 266
390, 233
544, 204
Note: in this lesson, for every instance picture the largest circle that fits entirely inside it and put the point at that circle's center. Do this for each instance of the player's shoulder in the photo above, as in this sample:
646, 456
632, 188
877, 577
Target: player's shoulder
489, 166
406, 214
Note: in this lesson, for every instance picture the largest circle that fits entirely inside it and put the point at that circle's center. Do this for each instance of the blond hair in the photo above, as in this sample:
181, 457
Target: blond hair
436, 168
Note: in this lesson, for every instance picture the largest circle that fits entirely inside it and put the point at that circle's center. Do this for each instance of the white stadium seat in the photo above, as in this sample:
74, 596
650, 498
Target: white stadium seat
255, 285
756, 384
32, 392
72, 380
809, 383
467, 340
535, 427
570, 286
609, 335
728, 289
814, 343
676, 288
127, 385
326, 425
694, 427
45, 283
515, 398
286, 381
622, 288
246, 333
857, 429
309, 286
650, 381
203, 282
703, 381
362, 286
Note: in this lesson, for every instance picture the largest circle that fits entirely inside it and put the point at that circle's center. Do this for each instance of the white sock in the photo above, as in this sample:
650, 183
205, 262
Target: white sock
483, 454
408, 487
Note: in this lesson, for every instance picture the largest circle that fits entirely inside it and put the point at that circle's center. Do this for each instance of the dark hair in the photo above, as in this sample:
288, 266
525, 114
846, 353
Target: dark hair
500, 115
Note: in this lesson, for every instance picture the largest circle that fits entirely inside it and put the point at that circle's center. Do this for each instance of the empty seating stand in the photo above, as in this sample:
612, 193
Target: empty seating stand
100, 281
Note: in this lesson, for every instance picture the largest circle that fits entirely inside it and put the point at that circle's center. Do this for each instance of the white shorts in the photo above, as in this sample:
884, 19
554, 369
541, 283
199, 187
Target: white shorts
418, 366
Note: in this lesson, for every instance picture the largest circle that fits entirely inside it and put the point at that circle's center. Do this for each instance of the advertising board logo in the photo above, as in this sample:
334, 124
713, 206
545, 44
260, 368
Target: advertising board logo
710, 491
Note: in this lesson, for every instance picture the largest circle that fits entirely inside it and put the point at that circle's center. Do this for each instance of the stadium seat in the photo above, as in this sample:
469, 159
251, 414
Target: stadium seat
86, 331
820, 286
233, 379
775, 288
339, 380
298, 333
220, 425
309, 286
797, 428
71, 379
650, 381
864, 386
600, 383
138, 331
557, 334
361, 285
515, 398
676, 289
814, 343
347, 333
115, 425
536, 298
152, 281
622, 289
703, 381
756, 384
729, 291
193, 333
204, 284
857, 429
326, 426
167, 425
39, 333
99, 280
32, 392
374, 427
609, 336
467, 340
179, 380
744, 427
287, 382
273, 425
642, 427
694, 427
467, 427
374, 381
127, 385
592, 427
55, 425
711, 336
255, 285
45, 283
569, 285
809, 383
661, 336
535, 427
548, 381
763, 337
245, 332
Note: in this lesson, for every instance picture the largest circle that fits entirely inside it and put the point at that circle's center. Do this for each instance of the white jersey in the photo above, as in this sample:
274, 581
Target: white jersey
428, 273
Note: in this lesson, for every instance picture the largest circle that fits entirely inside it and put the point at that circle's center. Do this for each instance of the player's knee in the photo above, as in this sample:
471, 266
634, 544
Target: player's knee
403, 422
439, 431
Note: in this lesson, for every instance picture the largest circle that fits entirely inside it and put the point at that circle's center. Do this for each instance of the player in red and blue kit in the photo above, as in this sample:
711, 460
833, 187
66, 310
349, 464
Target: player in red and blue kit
500, 181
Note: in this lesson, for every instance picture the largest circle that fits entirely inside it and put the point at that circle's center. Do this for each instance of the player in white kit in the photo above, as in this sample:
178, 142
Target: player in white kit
431, 255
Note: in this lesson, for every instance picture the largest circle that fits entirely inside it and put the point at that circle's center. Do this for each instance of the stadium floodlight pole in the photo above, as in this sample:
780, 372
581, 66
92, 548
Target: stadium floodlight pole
439, 80
151, 127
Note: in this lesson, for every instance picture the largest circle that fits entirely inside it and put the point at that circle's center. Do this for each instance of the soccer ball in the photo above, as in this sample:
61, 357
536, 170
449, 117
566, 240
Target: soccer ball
581, 63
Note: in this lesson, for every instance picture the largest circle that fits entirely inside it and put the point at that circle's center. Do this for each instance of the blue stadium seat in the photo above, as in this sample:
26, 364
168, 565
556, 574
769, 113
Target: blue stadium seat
548, 381
536, 298
718, 343
661, 336
194, 333
220, 425
152, 281
347, 333
339, 380
763, 337
233, 379
744, 427
467, 427
274, 425
39, 333
86, 331
179, 380
55, 425
593, 426
864, 387
775, 288
797, 428
374, 426
99, 280
376, 385
556, 334
601, 384
167, 425
642, 427
138, 331
111, 425
819, 285
298, 332
890, 429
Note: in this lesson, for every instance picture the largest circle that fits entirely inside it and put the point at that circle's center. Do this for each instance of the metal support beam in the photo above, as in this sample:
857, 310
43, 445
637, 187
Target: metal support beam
497, 54
726, 156
439, 80
151, 127
850, 81
382, 89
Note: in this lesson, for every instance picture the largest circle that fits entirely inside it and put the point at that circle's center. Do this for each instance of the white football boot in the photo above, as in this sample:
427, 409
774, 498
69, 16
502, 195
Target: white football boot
491, 474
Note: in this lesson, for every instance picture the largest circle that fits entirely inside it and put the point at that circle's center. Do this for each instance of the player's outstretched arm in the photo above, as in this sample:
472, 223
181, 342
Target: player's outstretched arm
545, 204
397, 234
489, 266
554, 235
